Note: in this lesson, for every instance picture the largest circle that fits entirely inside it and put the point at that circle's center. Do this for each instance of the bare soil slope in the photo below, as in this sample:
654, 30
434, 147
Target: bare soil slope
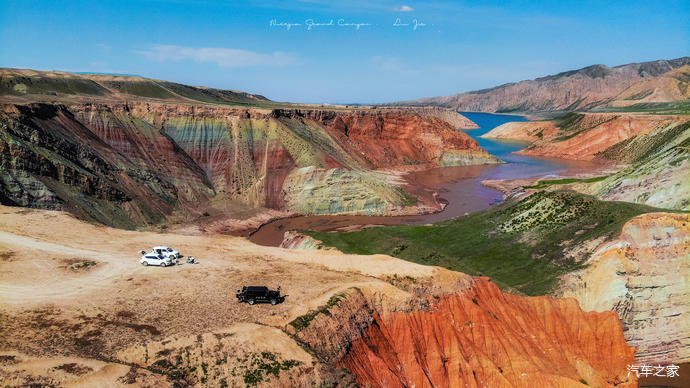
78, 310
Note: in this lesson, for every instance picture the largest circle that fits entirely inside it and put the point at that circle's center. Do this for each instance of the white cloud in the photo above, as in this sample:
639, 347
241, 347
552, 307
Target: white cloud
224, 57
404, 8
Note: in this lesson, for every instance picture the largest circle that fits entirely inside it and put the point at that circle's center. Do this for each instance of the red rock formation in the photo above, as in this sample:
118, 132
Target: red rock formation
152, 162
394, 137
485, 338
593, 140
588, 136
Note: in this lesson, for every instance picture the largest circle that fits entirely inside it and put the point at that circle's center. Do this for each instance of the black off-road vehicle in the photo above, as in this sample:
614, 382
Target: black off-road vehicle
259, 294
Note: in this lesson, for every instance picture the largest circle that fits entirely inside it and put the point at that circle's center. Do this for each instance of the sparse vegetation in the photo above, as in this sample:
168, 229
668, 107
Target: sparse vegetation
302, 322
544, 183
644, 147
179, 376
264, 365
8, 359
572, 124
78, 264
409, 200
74, 368
665, 108
163, 353
7, 256
131, 376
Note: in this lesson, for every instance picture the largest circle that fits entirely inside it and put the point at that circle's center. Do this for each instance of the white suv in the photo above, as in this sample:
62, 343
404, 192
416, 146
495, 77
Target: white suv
153, 259
166, 251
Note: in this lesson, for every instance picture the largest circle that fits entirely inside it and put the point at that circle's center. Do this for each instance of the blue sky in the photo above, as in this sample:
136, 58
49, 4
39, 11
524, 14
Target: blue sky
456, 46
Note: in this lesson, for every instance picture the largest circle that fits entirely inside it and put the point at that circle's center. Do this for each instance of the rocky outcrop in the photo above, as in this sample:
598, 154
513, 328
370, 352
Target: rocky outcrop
392, 137
51, 160
583, 89
527, 131
452, 117
661, 181
483, 337
296, 240
655, 146
312, 191
643, 276
329, 330
451, 158
590, 140
144, 163
589, 136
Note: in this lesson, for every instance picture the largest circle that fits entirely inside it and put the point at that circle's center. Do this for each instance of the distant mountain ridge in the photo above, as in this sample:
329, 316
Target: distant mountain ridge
589, 88
32, 85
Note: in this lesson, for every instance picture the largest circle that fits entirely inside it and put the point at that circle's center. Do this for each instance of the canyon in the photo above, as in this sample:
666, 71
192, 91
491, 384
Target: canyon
638, 270
552, 242
652, 151
642, 274
109, 323
566, 283
144, 163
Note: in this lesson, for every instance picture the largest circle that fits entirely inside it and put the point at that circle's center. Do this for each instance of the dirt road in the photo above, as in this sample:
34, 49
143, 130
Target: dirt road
70, 290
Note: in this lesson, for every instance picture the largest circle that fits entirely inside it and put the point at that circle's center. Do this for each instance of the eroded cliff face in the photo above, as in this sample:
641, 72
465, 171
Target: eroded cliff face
662, 180
144, 163
655, 147
483, 337
310, 191
51, 160
643, 276
589, 136
447, 115
394, 137
131, 333
297, 240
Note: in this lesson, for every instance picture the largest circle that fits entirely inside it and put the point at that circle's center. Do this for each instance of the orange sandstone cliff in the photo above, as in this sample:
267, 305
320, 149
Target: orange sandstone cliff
588, 136
484, 337
643, 276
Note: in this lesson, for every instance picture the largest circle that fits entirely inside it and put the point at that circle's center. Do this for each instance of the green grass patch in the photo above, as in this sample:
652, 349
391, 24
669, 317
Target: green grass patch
143, 88
521, 245
543, 183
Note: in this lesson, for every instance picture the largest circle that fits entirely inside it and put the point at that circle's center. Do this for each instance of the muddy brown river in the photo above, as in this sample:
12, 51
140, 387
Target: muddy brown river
459, 187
